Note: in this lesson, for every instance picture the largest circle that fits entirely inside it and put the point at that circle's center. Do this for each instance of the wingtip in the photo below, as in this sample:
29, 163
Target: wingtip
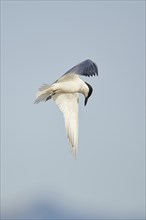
96, 68
75, 156
74, 153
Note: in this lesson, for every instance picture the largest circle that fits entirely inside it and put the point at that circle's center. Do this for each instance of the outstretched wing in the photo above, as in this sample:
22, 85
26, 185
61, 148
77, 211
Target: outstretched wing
68, 104
85, 68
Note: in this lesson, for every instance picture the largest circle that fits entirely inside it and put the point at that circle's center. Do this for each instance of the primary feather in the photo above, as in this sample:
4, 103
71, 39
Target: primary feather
86, 68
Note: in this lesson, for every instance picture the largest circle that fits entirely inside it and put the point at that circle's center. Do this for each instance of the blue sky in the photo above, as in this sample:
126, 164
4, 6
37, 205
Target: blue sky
40, 41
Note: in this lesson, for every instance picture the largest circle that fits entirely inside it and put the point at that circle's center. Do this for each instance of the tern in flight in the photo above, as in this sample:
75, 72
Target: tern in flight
65, 92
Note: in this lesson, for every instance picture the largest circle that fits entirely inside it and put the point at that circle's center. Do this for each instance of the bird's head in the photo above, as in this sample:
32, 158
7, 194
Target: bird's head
89, 92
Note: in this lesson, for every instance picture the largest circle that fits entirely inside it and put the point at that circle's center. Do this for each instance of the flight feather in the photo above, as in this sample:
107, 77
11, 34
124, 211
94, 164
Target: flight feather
85, 68
68, 104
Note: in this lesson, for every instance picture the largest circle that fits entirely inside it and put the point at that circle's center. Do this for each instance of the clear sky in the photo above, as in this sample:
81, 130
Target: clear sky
40, 41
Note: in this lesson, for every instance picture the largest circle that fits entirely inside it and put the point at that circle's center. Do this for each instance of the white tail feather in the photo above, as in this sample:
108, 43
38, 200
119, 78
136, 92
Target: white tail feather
44, 87
43, 93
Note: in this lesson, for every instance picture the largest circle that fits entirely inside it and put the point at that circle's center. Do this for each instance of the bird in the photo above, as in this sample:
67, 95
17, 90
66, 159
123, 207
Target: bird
65, 93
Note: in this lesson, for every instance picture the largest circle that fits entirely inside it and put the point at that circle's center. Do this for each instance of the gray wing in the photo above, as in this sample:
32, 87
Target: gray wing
85, 68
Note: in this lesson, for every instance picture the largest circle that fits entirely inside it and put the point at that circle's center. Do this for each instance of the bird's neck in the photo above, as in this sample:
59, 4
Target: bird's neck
84, 89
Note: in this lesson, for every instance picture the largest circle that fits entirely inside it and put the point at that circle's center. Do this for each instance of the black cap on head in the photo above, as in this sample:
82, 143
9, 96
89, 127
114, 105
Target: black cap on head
89, 93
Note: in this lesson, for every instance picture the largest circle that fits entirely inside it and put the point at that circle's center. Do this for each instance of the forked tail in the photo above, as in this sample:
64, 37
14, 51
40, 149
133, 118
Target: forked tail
44, 93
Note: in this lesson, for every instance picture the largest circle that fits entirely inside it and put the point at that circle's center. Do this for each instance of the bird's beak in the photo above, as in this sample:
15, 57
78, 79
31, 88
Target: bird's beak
86, 100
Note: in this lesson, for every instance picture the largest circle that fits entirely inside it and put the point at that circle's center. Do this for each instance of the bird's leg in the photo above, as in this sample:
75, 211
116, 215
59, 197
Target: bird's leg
53, 93
50, 96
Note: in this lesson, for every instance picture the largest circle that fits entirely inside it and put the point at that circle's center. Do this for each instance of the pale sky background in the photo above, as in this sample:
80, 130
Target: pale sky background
40, 41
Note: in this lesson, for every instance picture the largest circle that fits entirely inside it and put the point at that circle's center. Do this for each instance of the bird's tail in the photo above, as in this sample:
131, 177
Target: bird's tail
44, 93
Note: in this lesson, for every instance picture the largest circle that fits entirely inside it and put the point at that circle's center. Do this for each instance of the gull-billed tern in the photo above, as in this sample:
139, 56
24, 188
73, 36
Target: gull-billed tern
65, 92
